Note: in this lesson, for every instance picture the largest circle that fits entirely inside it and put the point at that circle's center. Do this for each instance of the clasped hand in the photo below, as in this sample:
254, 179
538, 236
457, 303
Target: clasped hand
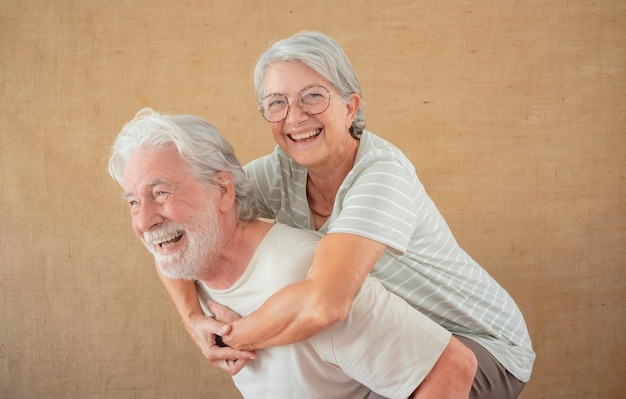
203, 331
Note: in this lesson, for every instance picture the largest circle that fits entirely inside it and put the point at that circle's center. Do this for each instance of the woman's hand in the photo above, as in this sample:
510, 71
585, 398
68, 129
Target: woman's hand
204, 331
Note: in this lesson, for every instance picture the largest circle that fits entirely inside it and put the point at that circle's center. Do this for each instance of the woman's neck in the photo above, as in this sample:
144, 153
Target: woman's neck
328, 175
323, 182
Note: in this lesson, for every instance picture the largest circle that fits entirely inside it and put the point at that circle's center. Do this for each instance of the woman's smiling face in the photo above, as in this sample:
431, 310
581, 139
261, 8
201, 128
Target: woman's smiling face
309, 140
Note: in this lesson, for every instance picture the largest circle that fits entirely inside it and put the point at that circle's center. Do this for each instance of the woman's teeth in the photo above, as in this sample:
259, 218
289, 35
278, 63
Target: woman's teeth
304, 136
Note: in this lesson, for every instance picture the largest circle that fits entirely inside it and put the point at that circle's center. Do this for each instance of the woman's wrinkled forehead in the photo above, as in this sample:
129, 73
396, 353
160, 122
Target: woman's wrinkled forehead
289, 77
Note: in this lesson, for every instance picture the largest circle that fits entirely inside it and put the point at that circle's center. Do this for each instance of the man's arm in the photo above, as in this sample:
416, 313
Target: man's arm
203, 329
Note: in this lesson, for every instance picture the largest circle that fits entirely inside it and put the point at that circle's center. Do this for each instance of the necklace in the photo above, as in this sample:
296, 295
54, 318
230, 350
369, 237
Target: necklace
310, 199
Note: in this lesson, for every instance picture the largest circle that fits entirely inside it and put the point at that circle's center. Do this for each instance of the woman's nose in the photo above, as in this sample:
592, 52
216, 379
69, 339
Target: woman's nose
296, 113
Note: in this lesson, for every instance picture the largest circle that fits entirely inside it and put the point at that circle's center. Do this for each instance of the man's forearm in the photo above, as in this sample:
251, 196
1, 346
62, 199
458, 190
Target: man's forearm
183, 294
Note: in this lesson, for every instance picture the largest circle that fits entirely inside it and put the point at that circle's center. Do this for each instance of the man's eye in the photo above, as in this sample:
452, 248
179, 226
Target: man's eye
161, 195
132, 203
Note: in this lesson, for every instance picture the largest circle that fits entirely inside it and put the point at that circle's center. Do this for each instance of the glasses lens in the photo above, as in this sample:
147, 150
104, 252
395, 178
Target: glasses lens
274, 107
314, 100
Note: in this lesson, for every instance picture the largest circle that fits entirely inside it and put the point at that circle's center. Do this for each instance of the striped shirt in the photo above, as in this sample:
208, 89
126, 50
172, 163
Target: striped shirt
382, 199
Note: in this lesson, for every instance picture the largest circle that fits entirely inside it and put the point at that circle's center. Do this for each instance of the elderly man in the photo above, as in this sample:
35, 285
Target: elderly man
193, 208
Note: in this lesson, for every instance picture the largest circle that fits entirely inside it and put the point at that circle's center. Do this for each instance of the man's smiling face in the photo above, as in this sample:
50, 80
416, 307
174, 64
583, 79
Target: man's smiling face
172, 213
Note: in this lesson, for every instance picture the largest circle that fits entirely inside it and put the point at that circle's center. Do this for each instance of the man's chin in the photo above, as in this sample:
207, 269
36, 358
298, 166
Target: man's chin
173, 270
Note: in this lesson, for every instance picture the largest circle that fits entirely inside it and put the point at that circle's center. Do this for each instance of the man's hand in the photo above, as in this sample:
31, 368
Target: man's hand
203, 331
225, 315
222, 313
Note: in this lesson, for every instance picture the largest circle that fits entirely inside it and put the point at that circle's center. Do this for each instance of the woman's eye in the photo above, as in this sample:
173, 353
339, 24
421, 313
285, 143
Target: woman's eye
277, 104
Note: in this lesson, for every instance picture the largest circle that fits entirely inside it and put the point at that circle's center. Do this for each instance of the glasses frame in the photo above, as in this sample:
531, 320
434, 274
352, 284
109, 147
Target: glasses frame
298, 97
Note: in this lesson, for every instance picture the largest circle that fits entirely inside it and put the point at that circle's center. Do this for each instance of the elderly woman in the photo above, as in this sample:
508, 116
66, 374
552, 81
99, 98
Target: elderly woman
329, 174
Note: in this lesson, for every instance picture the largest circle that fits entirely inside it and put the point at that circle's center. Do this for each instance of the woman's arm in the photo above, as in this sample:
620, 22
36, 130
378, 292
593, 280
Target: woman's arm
203, 329
301, 310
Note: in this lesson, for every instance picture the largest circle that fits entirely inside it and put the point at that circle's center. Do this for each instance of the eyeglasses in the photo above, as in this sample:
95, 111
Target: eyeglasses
312, 99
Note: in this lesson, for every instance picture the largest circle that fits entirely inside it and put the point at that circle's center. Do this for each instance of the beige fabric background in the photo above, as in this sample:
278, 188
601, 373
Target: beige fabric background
513, 113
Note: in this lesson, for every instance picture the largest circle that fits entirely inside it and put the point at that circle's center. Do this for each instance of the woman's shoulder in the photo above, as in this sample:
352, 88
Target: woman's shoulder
375, 148
275, 156
376, 143
275, 161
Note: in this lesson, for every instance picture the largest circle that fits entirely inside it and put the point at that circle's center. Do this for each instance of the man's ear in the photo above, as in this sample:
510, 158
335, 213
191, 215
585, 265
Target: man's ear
226, 189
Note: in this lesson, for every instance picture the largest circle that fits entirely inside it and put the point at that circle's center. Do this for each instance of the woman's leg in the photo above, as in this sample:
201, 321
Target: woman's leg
492, 380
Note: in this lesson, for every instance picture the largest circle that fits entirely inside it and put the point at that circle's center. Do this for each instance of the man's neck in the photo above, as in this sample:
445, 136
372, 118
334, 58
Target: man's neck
235, 255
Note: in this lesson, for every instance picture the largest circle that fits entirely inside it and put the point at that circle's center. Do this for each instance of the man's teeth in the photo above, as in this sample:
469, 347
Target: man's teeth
165, 238
306, 135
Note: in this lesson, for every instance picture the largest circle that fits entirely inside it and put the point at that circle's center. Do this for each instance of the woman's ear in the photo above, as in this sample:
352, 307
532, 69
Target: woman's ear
353, 103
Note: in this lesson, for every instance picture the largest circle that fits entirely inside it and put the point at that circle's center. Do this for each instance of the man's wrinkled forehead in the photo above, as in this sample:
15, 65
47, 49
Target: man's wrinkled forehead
148, 167
149, 186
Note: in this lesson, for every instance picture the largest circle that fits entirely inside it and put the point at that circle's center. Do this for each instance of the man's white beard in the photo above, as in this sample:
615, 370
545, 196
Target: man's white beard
198, 256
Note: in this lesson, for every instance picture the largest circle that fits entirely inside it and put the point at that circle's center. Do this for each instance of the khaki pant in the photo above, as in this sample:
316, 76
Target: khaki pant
492, 380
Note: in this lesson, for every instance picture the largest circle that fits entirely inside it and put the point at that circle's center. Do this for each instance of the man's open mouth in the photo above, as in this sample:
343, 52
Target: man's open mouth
168, 240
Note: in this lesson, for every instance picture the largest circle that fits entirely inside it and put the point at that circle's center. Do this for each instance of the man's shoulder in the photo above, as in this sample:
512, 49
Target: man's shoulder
291, 242
287, 251
288, 234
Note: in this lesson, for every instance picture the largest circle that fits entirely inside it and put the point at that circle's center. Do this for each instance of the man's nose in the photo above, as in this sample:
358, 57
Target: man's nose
147, 216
